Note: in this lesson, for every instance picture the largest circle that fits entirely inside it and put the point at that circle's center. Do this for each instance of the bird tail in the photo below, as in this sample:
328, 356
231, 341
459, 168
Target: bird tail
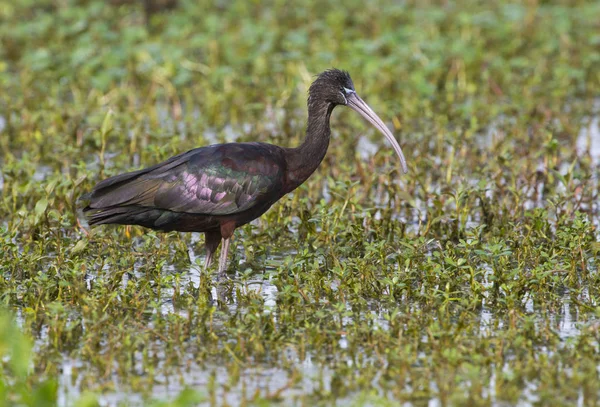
117, 213
128, 199
149, 217
113, 200
120, 215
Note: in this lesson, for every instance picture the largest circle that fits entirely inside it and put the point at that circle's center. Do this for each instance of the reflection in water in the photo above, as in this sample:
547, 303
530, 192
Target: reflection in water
588, 141
266, 379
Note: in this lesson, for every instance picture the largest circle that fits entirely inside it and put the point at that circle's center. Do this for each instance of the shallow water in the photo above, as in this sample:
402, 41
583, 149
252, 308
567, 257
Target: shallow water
267, 380
471, 280
588, 140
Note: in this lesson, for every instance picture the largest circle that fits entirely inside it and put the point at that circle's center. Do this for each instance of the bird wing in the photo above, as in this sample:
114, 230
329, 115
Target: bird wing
221, 179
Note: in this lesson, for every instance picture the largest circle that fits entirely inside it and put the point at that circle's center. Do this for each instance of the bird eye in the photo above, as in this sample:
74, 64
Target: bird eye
347, 91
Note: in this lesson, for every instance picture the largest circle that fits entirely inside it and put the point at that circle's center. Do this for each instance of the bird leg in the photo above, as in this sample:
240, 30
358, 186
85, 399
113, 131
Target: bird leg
223, 258
227, 229
208, 259
212, 241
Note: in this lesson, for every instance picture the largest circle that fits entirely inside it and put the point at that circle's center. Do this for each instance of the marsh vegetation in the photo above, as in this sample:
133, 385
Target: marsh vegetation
470, 280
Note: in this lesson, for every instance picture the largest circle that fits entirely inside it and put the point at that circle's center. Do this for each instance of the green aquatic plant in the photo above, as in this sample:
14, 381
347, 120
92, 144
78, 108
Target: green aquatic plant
471, 280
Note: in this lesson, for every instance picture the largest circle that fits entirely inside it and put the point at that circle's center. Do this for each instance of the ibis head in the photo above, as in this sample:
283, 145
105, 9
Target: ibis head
335, 87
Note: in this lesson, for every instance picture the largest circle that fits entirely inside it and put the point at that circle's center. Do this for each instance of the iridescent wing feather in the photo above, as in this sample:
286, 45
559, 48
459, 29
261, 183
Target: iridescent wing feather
223, 179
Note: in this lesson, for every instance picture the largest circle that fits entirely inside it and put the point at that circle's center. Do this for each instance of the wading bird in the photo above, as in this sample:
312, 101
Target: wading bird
218, 188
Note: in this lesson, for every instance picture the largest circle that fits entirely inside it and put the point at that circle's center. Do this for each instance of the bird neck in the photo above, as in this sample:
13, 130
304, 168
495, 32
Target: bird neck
302, 161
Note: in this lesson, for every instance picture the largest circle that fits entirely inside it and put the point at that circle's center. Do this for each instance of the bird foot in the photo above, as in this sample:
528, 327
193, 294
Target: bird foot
220, 292
222, 277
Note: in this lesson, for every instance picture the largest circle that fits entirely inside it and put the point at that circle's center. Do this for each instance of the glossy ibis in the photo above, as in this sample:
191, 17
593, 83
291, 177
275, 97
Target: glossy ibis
218, 188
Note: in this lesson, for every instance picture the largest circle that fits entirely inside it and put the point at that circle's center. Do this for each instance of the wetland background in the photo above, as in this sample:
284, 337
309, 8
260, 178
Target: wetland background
470, 280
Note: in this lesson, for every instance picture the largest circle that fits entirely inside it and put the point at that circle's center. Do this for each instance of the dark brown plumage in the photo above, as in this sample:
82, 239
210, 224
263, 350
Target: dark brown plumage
218, 188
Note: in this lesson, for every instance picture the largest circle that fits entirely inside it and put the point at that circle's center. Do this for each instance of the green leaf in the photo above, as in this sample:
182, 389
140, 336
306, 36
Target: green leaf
40, 207
15, 345
107, 123
80, 246
87, 399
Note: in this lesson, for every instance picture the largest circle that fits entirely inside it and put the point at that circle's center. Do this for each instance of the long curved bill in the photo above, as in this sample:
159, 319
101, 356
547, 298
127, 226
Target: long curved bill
358, 105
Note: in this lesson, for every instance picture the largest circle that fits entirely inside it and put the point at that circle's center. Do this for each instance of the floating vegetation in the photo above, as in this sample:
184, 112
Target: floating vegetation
471, 280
